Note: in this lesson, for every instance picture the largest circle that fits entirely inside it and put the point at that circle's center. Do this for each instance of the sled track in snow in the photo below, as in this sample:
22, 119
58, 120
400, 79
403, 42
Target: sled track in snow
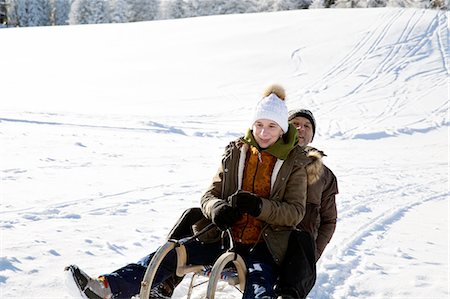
352, 60
346, 254
389, 52
393, 58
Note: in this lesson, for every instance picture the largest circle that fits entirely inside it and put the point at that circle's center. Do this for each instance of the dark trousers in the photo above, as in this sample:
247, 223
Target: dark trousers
126, 281
298, 273
262, 270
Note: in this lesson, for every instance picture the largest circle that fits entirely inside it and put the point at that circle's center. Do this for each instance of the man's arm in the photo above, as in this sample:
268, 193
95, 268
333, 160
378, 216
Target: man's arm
328, 212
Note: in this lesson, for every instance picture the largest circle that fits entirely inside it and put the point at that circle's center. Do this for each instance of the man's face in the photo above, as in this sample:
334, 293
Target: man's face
304, 130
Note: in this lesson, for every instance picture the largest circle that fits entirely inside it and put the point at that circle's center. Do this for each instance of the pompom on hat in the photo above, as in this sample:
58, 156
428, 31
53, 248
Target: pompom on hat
273, 107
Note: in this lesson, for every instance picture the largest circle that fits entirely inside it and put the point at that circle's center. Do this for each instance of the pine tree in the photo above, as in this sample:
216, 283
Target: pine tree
196, 8
17, 13
99, 12
78, 12
376, 3
38, 13
175, 9
61, 10
291, 4
231, 7
3, 19
89, 12
143, 10
118, 11
265, 5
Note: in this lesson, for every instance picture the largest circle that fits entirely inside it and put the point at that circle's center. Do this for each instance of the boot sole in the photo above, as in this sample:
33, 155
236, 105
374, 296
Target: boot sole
76, 283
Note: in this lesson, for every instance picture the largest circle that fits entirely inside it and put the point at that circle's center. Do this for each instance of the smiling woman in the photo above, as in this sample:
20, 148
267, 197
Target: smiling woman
259, 193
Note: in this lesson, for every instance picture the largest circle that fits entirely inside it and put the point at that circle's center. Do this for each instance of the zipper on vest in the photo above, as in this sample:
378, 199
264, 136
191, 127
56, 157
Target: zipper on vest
225, 171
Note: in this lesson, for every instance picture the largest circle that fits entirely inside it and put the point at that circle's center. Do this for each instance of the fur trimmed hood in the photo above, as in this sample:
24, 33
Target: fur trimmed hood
315, 168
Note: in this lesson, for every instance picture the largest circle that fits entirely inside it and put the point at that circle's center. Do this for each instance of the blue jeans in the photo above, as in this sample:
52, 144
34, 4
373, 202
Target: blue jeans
262, 271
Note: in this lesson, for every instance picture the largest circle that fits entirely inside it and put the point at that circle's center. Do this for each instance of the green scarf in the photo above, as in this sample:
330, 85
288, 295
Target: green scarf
279, 149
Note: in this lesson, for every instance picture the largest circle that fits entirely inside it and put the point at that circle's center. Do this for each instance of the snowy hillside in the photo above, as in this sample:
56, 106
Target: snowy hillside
108, 132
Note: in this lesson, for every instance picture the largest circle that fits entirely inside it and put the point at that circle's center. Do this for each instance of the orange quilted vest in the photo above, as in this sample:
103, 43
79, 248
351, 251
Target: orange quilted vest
256, 179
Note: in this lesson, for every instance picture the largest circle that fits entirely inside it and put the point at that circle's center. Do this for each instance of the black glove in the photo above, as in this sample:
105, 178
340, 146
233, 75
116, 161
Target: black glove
223, 215
246, 202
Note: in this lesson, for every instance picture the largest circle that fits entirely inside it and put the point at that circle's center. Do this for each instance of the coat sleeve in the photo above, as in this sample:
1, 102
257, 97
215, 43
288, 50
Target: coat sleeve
212, 194
287, 205
328, 214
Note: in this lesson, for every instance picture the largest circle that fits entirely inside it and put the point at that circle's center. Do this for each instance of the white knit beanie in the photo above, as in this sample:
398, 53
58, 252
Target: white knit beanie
273, 107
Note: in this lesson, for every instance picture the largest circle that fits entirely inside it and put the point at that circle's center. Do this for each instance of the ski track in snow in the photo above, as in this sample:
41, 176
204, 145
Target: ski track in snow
379, 57
91, 143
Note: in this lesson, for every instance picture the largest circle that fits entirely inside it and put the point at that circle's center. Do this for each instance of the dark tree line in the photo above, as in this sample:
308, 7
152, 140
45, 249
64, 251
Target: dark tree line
64, 12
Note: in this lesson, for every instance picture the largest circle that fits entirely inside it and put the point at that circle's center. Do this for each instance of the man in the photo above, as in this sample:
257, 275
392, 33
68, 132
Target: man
319, 223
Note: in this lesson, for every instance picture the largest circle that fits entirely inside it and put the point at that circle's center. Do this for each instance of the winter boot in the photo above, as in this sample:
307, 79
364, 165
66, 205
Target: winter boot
88, 288
166, 289
155, 293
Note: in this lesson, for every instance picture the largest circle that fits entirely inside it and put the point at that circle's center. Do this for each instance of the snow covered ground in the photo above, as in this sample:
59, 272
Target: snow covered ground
108, 132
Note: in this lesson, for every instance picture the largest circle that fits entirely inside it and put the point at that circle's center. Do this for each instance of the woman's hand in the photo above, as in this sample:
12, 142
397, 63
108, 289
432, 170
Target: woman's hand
224, 216
246, 202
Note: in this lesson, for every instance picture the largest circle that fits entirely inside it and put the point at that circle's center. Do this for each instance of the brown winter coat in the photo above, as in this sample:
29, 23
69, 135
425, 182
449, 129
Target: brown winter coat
282, 211
321, 213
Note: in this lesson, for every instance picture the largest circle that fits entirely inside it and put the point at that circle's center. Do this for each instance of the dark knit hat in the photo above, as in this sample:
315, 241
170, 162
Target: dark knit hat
306, 114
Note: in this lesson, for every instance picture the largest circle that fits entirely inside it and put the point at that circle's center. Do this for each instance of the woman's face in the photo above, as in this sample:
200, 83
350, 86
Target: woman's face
266, 132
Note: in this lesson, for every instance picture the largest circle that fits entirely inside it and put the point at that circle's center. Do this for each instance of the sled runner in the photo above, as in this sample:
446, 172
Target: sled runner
229, 267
